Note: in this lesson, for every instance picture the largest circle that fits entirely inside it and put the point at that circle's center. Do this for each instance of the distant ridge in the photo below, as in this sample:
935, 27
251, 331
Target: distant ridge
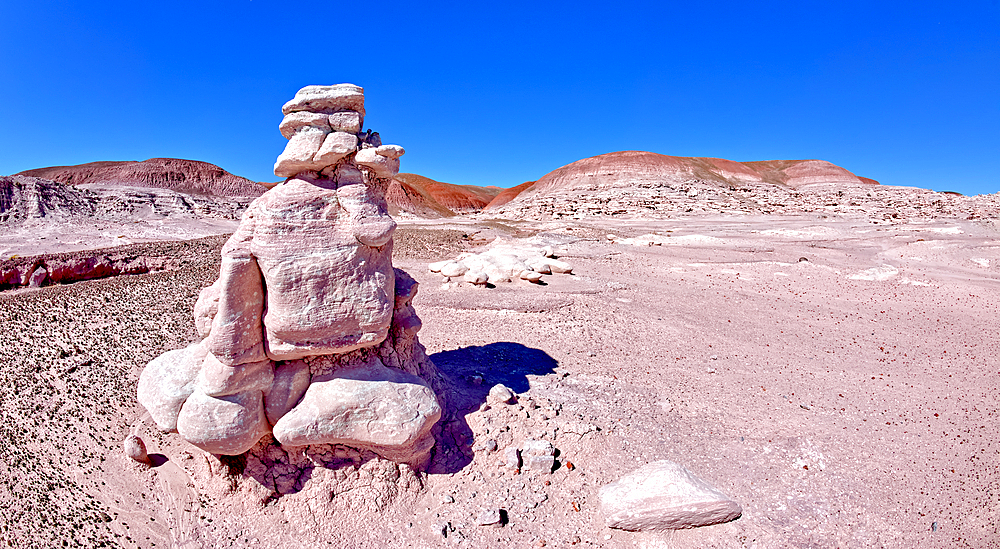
424, 197
187, 176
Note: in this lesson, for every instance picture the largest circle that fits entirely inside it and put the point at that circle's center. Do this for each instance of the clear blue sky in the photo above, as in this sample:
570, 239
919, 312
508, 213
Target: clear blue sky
501, 93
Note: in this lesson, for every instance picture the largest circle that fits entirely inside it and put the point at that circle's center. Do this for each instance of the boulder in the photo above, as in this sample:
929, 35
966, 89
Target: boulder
381, 166
300, 151
500, 394
390, 151
335, 146
218, 379
227, 425
476, 277
167, 381
531, 276
538, 455
346, 121
37, 277
293, 121
369, 405
453, 269
135, 449
664, 495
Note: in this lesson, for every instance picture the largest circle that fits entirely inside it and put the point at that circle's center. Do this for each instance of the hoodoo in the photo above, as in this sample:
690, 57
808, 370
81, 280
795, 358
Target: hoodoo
309, 335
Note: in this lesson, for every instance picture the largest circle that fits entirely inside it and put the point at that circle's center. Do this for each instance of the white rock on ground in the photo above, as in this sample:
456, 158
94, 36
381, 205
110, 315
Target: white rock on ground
135, 449
538, 455
664, 495
504, 261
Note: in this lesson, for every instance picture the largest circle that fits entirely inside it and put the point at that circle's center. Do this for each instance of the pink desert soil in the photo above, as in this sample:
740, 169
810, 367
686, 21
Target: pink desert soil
836, 376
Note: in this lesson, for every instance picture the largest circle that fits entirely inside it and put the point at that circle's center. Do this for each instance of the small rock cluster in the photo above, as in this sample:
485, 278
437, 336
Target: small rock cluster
309, 334
504, 261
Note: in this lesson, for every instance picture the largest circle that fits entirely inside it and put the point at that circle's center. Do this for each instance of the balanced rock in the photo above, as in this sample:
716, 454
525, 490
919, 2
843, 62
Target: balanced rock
664, 495
309, 332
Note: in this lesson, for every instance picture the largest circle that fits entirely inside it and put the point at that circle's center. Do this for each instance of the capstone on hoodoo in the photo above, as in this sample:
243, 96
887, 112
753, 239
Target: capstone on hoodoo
309, 333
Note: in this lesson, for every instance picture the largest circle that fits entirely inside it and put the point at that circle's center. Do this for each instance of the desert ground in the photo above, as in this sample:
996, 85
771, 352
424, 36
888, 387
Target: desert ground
836, 376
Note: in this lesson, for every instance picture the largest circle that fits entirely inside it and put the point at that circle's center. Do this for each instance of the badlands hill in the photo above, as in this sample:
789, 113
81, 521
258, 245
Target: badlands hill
187, 176
101, 204
423, 197
636, 182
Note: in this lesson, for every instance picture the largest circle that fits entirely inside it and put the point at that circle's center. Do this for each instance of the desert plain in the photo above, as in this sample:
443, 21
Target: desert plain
834, 374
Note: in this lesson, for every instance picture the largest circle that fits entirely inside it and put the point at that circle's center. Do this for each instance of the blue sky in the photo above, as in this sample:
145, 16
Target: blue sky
502, 93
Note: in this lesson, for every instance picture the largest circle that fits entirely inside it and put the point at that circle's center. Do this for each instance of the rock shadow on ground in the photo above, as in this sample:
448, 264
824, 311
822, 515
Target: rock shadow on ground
468, 374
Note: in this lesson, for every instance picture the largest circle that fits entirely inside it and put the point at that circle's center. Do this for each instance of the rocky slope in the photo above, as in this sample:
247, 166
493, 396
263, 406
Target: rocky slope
187, 176
423, 197
24, 197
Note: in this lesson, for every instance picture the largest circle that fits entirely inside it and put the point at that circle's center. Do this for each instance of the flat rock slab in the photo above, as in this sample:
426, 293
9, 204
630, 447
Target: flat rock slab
664, 495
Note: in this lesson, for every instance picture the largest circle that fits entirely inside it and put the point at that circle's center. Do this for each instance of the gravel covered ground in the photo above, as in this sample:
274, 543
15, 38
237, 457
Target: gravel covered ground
837, 378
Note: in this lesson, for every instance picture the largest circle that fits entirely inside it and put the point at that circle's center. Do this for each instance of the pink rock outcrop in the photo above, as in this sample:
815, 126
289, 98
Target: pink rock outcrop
297, 327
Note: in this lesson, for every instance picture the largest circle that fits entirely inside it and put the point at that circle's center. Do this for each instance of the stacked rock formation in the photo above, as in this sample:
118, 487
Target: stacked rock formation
309, 333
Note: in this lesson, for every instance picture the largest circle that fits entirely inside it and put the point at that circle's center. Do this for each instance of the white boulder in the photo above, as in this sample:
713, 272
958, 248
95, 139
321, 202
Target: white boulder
664, 495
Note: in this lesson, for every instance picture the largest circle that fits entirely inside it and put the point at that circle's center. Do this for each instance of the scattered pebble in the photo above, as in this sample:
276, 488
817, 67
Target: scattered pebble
500, 393
538, 455
490, 517
135, 448
512, 458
